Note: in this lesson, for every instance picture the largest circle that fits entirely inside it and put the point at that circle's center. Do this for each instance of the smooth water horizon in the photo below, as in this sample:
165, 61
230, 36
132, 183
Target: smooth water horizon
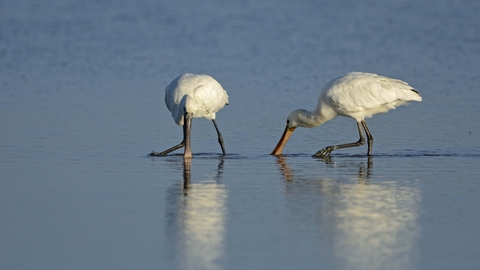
82, 106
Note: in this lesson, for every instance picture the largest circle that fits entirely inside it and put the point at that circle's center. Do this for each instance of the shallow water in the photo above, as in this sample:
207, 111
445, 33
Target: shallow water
81, 106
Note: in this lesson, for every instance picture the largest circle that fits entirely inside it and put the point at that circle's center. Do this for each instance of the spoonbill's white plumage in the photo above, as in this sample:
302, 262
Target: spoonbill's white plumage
193, 96
356, 95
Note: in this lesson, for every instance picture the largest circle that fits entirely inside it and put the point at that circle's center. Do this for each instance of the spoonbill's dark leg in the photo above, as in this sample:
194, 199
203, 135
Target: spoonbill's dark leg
327, 150
186, 135
187, 127
220, 137
369, 137
164, 153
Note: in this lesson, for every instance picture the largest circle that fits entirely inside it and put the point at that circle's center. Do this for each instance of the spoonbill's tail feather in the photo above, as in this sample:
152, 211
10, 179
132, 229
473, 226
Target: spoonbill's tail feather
408, 95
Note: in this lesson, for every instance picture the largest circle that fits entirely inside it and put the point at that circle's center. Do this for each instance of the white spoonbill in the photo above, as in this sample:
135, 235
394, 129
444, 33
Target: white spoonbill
193, 96
356, 95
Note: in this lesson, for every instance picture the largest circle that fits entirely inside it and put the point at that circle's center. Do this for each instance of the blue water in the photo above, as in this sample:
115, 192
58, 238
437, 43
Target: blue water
81, 106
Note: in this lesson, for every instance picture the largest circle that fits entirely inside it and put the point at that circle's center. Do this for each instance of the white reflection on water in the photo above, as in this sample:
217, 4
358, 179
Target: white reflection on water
199, 221
368, 225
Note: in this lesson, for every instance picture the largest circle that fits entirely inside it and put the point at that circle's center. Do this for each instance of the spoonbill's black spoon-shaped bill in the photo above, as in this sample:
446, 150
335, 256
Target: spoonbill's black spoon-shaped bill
193, 96
356, 95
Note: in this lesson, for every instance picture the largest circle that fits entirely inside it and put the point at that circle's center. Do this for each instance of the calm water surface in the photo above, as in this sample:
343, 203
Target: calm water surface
81, 106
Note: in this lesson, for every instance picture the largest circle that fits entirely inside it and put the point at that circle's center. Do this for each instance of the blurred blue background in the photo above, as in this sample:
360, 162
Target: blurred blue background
81, 106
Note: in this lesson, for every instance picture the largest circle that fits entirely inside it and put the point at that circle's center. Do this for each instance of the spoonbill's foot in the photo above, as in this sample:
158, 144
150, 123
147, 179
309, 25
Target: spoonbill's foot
325, 152
157, 154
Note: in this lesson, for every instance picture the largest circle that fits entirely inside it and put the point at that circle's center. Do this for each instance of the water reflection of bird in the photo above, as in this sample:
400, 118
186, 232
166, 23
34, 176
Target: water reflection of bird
356, 95
187, 172
366, 224
193, 96
196, 214
364, 172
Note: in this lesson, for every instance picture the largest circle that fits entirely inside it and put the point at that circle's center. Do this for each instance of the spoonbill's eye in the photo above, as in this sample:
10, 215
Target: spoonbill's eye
288, 122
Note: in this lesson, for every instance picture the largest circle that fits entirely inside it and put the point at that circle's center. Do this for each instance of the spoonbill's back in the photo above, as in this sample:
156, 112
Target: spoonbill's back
193, 96
356, 95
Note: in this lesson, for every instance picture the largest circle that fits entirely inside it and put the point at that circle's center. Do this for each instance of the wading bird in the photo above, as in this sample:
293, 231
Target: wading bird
193, 96
356, 95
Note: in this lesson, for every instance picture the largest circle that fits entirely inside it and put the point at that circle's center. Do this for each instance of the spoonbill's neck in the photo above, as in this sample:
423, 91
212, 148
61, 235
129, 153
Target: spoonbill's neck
190, 106
320, 115
187, 105
308, 119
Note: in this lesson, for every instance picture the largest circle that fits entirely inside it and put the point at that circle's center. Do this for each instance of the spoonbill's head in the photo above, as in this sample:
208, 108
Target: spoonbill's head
294, 120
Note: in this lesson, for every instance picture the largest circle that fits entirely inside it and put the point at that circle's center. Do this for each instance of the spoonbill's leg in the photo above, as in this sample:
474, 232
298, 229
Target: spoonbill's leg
220, 137
369, 137
187, 127
186, 136
328, 150
164, 153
